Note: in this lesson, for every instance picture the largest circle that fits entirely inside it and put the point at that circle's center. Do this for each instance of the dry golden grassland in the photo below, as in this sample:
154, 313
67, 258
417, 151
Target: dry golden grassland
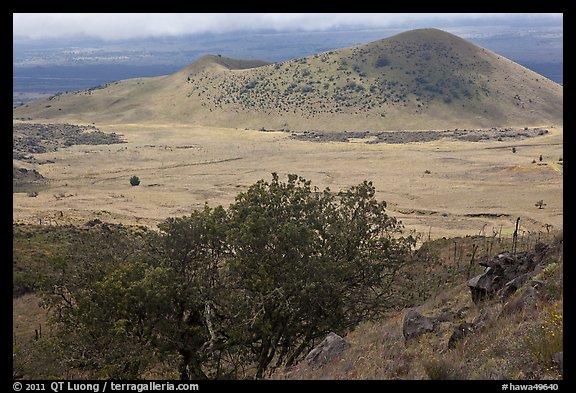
430, 186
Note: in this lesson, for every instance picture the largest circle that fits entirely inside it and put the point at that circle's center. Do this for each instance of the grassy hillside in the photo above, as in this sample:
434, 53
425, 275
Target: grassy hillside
512, 339
516, 339
421, 79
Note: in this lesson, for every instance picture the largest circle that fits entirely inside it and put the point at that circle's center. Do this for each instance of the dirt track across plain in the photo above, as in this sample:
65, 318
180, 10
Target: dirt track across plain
442, 187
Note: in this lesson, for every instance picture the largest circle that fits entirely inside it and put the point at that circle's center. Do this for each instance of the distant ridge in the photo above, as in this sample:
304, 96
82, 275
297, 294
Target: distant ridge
419, 79
228, 63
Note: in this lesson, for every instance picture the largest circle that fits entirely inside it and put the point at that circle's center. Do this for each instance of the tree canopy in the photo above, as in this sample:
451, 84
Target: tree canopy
229, 293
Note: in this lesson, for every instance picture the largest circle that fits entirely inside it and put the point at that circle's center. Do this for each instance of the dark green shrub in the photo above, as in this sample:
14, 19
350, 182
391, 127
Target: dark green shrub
134, 181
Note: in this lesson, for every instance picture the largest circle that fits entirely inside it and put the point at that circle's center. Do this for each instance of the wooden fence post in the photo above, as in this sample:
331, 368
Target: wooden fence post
515, 236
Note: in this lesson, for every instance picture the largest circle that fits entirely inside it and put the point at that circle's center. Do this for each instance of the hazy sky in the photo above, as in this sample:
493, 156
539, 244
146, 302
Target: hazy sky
126, 26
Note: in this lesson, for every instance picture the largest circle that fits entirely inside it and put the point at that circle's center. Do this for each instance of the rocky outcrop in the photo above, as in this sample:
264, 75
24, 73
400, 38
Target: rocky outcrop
26, 175
507, 272
416, 324
332, 346
29, 138
526, 299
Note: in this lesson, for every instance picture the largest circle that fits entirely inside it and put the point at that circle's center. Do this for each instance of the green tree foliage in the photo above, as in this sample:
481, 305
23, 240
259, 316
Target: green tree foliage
92, 291
192, 248
228, 293
309, 262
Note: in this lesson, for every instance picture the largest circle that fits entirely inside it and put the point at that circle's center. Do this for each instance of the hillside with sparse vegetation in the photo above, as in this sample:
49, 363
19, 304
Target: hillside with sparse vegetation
421, 79
517, 334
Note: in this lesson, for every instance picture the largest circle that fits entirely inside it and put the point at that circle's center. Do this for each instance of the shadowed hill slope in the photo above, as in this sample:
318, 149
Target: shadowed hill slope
420, 79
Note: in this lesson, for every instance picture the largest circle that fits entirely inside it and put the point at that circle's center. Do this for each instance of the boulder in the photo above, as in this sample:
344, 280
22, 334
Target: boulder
332, 346
416, 324
513, 285
481, 285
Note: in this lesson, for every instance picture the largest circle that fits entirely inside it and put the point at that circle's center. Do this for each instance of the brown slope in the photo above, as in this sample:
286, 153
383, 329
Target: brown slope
420, 79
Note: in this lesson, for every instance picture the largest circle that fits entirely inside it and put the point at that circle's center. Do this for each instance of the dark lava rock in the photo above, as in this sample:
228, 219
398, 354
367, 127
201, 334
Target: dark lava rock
332, 346
506, 273
416, 324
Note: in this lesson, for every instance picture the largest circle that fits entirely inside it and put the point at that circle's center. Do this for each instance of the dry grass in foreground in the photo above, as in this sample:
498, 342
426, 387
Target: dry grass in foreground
518, 339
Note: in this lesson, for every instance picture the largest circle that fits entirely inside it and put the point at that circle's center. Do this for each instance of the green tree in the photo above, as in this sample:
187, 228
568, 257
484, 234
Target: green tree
91, 292
193, 248
126, 301
308, 262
